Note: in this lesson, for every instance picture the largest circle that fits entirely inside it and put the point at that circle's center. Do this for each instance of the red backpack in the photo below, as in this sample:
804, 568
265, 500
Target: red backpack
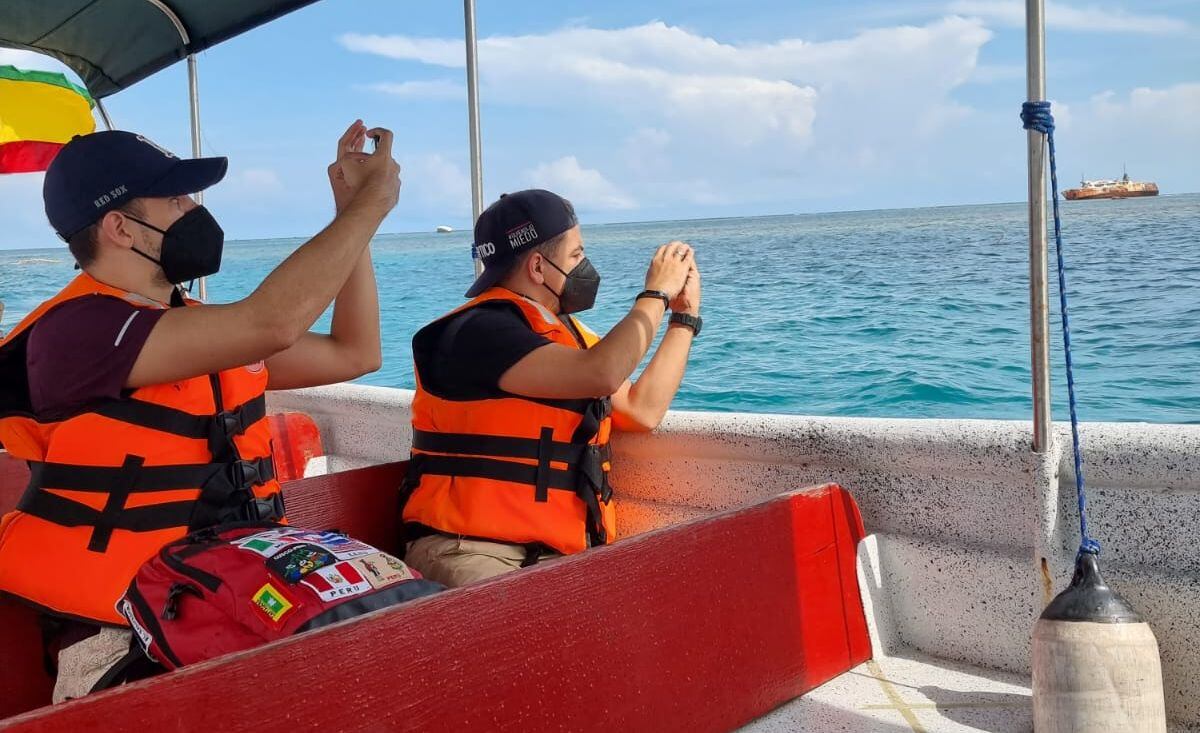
234, 587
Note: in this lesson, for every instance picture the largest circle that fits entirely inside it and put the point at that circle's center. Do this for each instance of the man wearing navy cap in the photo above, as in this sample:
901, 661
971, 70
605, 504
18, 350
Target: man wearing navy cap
141, 411
516, 398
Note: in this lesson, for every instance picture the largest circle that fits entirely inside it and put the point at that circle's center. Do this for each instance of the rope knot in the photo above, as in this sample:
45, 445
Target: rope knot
1037, 117
1089, 546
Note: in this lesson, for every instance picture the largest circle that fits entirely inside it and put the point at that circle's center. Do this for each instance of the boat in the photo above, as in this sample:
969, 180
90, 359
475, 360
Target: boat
1111, 188
443, 229
773, 572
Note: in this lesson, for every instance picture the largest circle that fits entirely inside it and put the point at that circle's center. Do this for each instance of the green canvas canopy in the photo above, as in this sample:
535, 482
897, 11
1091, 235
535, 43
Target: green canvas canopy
113, 44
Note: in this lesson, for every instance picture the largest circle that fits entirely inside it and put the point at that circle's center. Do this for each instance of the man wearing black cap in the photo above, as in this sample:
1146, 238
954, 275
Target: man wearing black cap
140, 411
516, 399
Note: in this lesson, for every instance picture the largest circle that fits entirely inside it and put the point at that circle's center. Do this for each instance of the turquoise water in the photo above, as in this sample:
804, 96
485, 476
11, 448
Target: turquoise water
906, 313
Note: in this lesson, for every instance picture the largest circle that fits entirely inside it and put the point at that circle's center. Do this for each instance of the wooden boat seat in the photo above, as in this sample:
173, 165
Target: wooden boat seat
707, 624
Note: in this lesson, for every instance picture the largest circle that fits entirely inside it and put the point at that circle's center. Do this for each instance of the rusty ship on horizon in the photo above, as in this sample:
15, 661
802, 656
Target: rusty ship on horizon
1111, 189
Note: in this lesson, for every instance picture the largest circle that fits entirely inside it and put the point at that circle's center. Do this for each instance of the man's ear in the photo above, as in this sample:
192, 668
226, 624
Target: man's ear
534, 266
116, 229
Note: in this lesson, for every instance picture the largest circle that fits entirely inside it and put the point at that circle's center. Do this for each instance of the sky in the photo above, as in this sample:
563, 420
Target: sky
669, 110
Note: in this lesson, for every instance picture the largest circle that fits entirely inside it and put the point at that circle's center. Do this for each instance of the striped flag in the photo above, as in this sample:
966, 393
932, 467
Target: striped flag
40, 111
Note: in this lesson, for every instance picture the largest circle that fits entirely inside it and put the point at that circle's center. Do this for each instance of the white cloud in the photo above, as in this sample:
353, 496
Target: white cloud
993, 73
586, 187
255, 181
1064, 117
645, 150
649, 137
683, 119
1092, 18
694, 108
434, 51
263, 178
433, 89
689, 81
1169, 113
704, 192
1151, 130
438, 183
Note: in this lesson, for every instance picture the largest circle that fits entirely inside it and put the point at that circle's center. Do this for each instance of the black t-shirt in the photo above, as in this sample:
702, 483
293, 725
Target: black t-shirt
463, 357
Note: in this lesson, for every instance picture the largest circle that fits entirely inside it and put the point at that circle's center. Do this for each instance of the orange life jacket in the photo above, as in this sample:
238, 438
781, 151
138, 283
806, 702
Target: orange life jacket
114, 481
512, 469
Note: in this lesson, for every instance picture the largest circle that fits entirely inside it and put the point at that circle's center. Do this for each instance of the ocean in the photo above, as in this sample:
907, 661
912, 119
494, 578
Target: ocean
898, 313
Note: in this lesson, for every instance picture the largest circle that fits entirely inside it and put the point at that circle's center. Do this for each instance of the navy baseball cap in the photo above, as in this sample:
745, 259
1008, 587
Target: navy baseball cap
513, 225
94, 174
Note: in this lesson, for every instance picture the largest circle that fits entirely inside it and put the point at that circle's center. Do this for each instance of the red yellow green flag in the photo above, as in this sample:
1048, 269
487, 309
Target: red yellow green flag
39, 112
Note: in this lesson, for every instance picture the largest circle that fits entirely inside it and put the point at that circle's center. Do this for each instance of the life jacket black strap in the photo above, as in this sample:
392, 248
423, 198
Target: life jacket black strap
68, 513
541, 492
591, 489
118, 495
496, 470
184, 424
589, 482
500, 446
104, 478
147, 478
226, 494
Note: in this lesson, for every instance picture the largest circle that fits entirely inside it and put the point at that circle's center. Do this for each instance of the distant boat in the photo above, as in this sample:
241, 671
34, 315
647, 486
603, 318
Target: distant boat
443, 229
1111, 189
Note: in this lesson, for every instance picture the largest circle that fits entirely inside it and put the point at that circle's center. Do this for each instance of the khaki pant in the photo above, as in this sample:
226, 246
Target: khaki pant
453, 562
81, 665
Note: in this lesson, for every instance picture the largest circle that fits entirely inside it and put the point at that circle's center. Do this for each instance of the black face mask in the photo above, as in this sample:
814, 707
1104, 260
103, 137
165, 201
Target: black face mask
191, 247
579, 292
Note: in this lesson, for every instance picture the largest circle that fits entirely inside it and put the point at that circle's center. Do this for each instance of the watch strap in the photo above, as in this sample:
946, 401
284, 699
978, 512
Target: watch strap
687, 319
666, 299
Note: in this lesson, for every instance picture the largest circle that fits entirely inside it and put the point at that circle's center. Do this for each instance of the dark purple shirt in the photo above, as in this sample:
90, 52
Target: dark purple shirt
83, 350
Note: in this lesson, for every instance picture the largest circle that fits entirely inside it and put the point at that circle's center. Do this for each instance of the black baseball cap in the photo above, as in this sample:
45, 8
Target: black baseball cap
94, 174
515, 224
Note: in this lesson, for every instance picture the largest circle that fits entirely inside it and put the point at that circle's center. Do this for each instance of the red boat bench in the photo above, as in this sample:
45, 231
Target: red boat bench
702, 626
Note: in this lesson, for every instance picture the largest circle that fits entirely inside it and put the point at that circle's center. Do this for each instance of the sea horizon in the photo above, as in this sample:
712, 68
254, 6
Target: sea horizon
833, 212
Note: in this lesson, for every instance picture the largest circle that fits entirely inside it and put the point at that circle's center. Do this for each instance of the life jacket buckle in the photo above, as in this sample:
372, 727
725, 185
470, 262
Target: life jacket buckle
225, 426
262, 510
230, 422
244, 474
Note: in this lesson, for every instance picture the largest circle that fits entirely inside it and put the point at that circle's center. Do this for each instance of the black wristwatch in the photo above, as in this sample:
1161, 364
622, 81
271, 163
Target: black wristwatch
687, 319
666, 299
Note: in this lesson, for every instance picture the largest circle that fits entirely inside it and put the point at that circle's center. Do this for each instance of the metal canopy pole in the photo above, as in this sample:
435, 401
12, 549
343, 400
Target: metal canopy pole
1035, 61
193, 99
473, 124
108, 125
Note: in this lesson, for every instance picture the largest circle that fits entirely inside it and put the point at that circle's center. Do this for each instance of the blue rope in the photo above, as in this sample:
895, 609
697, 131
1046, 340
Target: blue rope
1037, 117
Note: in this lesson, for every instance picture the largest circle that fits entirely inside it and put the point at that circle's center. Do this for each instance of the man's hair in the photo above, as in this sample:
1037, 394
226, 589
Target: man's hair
550, 247
85, 243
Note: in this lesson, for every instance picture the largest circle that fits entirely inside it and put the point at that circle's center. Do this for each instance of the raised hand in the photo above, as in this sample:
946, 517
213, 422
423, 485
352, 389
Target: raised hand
669, 268
351, 141
373, 179
688, 300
